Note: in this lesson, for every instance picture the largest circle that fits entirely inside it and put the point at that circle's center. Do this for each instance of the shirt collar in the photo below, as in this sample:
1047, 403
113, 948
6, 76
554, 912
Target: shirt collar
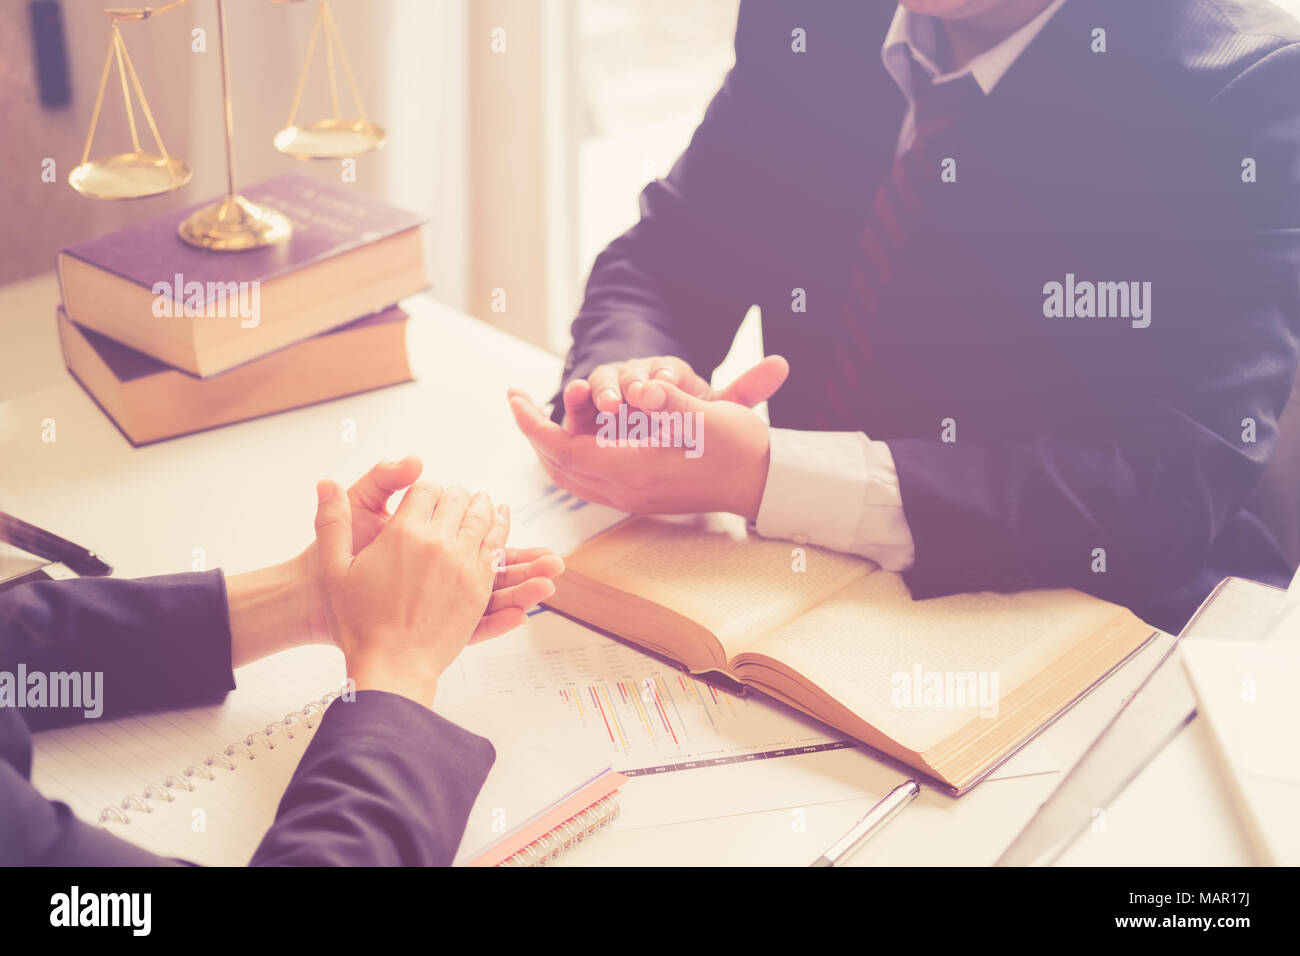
920, 35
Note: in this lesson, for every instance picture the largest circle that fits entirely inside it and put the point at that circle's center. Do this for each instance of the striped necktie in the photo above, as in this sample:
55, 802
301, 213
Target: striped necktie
910, 186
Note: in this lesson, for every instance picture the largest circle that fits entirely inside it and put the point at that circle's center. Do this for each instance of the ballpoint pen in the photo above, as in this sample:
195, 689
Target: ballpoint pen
43, 544
870, 824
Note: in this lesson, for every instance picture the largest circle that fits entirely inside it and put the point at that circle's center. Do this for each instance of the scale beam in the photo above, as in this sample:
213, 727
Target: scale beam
233, 223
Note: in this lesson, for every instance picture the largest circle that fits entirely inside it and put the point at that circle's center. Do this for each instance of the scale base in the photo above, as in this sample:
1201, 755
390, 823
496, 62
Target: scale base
234, 224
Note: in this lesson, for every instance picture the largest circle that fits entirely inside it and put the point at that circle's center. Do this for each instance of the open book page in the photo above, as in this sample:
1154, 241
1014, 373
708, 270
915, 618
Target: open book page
738, 586
919, 670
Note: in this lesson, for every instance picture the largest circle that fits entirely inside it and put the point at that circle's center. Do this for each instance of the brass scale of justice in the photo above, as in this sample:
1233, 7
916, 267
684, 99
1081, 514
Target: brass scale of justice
233, 223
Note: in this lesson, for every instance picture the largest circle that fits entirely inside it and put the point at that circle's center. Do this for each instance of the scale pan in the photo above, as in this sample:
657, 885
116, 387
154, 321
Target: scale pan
129, 176
330, 139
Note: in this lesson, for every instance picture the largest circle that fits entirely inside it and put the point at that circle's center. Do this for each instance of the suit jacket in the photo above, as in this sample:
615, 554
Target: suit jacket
1072, 434
384, 781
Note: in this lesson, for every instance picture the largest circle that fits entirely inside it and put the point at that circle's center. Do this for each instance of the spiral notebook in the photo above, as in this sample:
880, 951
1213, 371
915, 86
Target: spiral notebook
203, 784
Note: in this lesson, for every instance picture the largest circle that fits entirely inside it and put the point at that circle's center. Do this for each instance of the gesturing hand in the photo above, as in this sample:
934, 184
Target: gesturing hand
725, 471
640, 382
523, 574
403, 606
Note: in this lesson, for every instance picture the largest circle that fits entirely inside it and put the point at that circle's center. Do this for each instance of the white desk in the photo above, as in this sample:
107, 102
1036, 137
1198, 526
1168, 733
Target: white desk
242, 496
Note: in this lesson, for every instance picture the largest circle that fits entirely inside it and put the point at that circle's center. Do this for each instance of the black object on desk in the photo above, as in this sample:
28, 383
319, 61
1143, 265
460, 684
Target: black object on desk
43, 544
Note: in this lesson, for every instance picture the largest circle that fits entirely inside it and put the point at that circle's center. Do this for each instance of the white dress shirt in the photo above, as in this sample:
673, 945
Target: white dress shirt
840, 489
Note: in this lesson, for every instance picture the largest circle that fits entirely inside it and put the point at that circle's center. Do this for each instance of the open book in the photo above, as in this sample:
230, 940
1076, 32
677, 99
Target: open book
951, 686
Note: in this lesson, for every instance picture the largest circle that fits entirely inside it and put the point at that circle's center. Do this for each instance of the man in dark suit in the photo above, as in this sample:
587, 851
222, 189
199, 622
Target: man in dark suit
1032, 264
385, 780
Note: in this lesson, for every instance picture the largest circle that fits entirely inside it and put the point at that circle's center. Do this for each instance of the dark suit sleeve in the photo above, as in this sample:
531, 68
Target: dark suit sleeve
385, 782
1175, 463
35, 831
159, 642
680, 281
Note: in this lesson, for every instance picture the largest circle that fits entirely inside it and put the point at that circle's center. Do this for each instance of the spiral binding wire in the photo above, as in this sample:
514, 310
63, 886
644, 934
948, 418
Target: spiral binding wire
246, 749
567, 835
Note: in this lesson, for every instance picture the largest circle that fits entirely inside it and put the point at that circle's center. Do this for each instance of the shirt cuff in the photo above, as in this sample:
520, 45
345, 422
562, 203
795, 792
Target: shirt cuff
838, 490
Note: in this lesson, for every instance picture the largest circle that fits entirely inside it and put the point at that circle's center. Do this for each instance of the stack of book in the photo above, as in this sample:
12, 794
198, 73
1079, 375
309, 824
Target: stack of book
169, 339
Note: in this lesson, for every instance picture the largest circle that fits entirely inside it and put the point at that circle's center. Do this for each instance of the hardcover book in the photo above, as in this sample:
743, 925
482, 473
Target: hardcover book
206, 312
950, 686
150, 401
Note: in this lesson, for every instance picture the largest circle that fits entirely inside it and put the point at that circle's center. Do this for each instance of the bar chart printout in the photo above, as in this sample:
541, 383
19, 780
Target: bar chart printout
652, 717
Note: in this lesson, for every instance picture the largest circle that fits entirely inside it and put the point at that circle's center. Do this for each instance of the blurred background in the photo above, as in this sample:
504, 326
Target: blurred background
524, 129
526, 158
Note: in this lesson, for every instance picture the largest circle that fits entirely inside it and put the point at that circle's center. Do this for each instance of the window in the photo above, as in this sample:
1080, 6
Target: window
646, 73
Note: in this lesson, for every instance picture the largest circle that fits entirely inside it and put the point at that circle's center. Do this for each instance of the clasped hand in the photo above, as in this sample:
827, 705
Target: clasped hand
402, 594
726, 472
